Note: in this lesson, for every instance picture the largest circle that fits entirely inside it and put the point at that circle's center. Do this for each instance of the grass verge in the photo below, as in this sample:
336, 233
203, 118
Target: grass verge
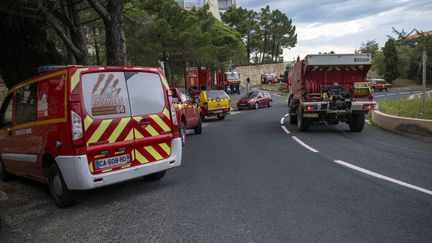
406, 108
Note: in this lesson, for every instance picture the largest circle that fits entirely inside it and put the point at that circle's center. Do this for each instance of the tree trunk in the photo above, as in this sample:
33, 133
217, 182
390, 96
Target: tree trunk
112, 17
77, 35
96, 46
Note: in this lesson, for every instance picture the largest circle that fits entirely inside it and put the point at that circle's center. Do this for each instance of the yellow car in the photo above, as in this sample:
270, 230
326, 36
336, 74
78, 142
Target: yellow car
214, 103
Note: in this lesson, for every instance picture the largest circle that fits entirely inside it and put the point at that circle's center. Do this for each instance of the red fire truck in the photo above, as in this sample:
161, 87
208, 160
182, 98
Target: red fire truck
330, 88
202, 79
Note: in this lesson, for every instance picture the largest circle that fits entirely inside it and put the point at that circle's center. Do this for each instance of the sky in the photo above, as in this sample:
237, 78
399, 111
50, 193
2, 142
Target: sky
343, 25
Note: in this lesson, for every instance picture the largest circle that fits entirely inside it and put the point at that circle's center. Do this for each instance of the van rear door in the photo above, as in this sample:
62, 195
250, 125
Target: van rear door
126, 121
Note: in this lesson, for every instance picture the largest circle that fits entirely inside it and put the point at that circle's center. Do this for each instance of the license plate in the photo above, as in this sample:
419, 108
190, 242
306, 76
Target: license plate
310, 115
113, 161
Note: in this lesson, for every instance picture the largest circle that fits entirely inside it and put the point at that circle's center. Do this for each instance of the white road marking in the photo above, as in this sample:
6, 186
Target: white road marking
377, 96
391, 94
304, 145
287, 115
205, 124
402, 93
285, 129
368, 122
235, 112
282, 120
371, 173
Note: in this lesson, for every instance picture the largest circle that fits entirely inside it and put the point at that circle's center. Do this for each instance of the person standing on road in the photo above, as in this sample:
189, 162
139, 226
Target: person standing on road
247, 85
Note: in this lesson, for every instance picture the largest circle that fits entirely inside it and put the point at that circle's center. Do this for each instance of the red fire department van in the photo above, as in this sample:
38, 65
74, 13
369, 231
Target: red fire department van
78, 128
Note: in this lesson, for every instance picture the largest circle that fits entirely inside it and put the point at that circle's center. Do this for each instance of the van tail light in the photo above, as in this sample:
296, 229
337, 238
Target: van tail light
77, 126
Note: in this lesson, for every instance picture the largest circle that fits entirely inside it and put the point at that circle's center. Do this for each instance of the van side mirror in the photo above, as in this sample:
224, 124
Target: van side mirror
196, 100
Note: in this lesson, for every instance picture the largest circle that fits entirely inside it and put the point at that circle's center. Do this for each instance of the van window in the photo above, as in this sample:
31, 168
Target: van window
105, 95
25, 110
146, 94
216, 94
51, 98
6, 112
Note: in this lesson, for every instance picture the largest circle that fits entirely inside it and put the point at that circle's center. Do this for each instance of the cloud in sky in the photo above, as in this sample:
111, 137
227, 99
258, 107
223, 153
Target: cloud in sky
342, 25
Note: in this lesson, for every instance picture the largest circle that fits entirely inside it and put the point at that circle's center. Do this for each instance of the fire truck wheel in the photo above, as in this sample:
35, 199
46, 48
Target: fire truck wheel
356, 122
198, 127
4, 176
183, 132
155, 176
293, 118
62, 196
302, 122
221, 116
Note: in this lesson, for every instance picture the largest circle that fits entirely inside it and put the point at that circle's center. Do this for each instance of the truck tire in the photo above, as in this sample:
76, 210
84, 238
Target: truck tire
198, 127
221, 116
302, 122
155, 176
62, 196
293, 118
356, 122
4, 176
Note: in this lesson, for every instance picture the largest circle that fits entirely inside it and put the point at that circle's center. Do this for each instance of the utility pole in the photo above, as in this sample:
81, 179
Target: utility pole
424, 84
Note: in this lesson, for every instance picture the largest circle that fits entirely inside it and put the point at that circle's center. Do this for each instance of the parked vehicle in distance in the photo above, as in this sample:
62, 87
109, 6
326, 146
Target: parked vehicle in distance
255, 100
330, 88
188, 113
269, 78
380, 85
214, 103
79, 128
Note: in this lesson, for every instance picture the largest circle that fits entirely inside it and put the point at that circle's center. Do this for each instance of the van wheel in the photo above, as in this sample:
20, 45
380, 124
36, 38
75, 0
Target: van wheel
4, 176
155, 176
63, 197
221, 116
356, 122
183, 132
198, 127
302, 122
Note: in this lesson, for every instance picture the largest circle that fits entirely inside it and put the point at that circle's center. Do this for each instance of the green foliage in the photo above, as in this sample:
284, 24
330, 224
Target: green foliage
370, 46
264, 34
391, 71
160, 31
22, 56
406, 108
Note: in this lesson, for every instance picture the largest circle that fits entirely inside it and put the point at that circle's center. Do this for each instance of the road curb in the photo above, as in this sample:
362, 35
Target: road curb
403, 125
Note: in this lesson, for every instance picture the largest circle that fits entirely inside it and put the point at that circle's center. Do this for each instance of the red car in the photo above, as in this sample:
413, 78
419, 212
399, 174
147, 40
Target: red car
255, 100
269, 78
188, 113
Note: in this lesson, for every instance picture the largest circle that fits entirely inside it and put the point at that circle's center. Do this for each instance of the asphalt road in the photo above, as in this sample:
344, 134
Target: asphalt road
245, 179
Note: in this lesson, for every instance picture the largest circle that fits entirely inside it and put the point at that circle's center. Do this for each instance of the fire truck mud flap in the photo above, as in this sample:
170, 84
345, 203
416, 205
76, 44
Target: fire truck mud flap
77, 175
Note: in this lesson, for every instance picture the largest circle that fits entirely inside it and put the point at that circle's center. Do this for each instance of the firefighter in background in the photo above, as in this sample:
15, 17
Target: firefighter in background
247, 85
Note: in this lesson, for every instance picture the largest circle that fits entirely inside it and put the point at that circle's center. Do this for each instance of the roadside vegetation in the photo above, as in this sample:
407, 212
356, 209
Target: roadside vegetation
401, 56
406, 108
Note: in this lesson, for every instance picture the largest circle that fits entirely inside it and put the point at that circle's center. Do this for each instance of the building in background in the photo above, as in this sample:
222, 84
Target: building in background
216, 6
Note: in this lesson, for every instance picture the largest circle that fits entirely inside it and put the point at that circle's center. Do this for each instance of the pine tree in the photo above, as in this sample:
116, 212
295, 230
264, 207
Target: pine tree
391, 71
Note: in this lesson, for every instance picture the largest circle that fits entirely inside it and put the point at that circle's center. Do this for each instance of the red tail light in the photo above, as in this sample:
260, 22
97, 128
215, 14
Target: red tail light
368, 107
77, 125
310, 107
